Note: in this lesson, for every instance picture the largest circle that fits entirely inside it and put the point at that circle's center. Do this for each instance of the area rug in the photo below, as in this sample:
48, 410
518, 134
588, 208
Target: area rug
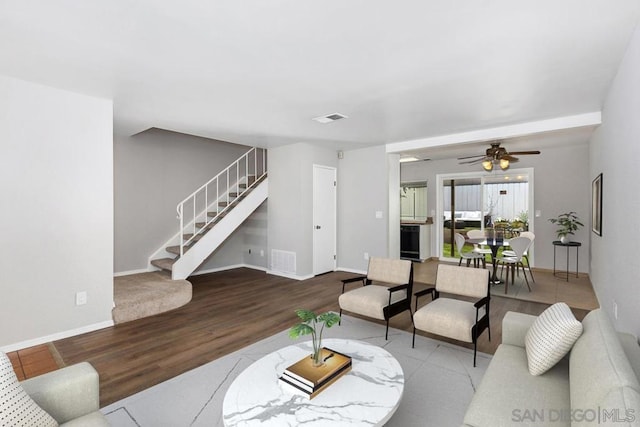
439, 382
577, 292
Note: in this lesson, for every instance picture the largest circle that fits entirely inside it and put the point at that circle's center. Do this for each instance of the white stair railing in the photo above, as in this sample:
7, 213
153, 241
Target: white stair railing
202, 207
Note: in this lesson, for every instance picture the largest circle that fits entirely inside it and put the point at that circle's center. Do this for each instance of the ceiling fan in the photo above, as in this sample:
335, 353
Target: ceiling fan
495, 155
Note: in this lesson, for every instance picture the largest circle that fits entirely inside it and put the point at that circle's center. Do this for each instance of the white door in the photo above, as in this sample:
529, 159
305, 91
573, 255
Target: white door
324, 219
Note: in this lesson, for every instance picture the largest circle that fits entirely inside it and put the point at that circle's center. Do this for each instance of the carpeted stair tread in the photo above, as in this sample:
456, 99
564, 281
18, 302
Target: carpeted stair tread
176, 249
163, 263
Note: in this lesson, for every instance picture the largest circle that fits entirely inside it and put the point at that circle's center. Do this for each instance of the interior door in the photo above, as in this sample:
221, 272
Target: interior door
324, 219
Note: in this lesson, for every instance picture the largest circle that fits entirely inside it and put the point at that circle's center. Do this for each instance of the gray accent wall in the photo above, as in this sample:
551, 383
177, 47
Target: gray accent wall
56, 221
154, 171
615, 152
561, 184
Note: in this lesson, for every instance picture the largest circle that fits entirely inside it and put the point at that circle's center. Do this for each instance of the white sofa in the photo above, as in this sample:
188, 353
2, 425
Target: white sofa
70, 395
596, 384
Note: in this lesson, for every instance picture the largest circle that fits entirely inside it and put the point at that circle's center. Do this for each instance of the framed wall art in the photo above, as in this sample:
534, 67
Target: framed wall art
596, 205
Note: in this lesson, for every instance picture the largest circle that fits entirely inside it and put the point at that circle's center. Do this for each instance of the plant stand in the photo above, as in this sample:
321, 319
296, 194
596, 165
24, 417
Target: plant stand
568, 245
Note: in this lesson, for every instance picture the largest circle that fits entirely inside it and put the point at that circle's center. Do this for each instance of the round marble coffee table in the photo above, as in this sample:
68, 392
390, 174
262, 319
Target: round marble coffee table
368, 395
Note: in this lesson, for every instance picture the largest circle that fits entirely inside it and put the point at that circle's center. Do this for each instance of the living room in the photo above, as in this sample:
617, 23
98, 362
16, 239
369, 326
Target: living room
66, 219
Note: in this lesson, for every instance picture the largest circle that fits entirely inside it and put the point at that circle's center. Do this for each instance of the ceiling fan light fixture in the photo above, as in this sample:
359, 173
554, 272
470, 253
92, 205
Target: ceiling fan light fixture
487, 165
504, 164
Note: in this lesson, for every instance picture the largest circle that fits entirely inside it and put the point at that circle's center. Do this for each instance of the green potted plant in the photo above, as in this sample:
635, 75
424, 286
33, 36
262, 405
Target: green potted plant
567, 224
313, 324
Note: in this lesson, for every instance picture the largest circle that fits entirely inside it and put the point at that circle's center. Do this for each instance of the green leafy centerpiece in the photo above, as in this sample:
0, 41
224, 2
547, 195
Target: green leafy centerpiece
314, 325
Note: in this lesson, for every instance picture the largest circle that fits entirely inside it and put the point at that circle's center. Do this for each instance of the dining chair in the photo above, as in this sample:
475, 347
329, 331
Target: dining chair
519, 246
469, 256
510, 253
479, 234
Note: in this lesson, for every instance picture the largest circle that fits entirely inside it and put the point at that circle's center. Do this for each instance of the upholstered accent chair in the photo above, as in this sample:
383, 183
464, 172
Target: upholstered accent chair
65, 397
385, 291
454, 318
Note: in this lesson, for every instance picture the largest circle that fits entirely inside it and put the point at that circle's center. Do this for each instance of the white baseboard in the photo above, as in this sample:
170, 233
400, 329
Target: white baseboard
228, 267
127, 273
351, 270
289, 276
195, 273
57, 336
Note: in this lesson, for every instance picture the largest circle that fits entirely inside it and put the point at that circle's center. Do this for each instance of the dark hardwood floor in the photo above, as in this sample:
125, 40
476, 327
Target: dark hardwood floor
229, 310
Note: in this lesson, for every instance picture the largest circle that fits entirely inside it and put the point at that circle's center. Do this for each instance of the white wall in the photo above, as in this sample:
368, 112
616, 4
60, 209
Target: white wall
363, 190
154, 171
56, 221
290, 202
561, 184
615, 152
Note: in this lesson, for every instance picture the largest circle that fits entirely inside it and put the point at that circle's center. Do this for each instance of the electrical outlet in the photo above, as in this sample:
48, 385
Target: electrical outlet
81, 298
366, 255
615, 310
261, 252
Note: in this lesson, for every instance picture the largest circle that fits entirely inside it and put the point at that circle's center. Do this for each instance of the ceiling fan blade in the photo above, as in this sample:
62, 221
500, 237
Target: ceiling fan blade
471, 157
524, 152
476, 161
509, 157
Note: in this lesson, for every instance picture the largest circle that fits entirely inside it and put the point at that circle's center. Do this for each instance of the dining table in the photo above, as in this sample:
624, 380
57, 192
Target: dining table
494, 244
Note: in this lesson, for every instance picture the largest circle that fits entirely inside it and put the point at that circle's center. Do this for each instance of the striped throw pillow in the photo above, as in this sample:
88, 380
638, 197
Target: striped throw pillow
551, 337
17, 409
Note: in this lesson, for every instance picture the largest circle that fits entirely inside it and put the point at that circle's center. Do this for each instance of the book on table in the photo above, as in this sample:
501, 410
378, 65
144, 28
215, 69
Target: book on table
304, 378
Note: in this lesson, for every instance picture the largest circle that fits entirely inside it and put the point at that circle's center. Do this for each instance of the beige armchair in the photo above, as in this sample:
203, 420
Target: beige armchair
386, 290
456, 318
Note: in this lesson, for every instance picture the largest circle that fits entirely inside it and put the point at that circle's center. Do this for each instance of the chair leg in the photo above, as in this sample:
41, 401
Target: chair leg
524, 273
386, 332
475, 350
340, 320
529, 267
413, 342
506, 282
460, 262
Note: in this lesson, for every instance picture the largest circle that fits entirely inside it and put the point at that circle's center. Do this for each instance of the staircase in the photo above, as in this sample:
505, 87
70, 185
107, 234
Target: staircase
213, 212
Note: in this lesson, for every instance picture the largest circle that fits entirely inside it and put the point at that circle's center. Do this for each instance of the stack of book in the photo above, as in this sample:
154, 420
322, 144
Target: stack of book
307, 380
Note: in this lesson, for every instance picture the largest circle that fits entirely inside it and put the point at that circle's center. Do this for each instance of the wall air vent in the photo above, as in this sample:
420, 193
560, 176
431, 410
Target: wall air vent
330, 118
283, 261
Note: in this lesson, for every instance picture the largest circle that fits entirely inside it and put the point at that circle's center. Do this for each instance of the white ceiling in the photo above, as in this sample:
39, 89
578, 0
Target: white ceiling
256, 72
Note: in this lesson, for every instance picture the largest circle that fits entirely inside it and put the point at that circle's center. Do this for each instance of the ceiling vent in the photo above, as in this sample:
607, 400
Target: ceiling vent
330, 118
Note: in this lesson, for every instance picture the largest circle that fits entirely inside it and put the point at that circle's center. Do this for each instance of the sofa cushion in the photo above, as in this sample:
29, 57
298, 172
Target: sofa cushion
369, 300
509, 396
448, 317
602, 379
551, 337
16, 407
